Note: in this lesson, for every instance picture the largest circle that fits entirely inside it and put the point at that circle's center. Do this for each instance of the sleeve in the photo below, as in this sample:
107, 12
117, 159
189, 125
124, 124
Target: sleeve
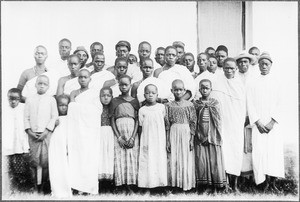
140, 117
193, 119
22, 81
250, 96
54, 115
27, 115
276, 105
167, 122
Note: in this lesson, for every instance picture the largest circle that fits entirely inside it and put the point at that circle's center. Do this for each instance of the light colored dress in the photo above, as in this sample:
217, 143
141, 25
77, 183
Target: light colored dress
181, 121
153, 155
126, 164
106, 147
58, 161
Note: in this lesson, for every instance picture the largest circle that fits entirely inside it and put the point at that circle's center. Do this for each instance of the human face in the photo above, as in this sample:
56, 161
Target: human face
212, 67
14, 99
180, 52
265, 66
96, 48
144, 51
64, 49
205, 89
124, 85
171, 56
122, 51
74, 65
132, 59
40, 55
42, 85
256, 53
160, 57
221, 56
99, 62
150, 94
105, 97
83, 57
62, 106
189, 62
121, 68
229, 69
178, 90
84, 79
147, 68
202, 62
243, 65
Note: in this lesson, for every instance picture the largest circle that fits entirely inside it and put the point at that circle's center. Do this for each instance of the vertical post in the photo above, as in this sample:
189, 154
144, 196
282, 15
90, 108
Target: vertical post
197, 26
244, 24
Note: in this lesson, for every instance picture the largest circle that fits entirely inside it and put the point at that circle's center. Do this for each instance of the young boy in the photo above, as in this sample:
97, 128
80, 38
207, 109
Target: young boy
15, 146
39, 119
208, 152
83, 131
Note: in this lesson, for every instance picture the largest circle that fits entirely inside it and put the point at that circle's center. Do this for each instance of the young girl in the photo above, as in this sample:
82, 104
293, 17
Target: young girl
208, 152
153, 156
181, 123
58, 159
124, 110
106, 142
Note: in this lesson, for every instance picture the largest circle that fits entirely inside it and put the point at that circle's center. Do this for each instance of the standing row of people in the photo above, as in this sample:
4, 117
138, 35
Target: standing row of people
238, 108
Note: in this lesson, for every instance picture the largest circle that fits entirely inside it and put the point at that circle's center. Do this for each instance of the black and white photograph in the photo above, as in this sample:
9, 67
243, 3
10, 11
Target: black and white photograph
150, 100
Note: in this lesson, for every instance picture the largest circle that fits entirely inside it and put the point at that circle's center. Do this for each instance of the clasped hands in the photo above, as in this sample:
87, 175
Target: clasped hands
39, 136
265, 128
125, 144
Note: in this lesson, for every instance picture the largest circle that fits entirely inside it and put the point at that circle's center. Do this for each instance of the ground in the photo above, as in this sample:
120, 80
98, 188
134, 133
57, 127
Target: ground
288, 187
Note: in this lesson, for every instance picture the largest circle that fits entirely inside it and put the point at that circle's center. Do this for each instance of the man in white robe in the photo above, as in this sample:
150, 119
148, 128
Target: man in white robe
230, 92
263, 109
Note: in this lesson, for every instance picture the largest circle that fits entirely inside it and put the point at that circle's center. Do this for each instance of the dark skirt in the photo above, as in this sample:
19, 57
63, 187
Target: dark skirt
209, 165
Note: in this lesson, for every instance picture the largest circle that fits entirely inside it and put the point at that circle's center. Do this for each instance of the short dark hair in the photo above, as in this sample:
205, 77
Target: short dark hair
170, 47
144, 42
229, 60
15, 90
206, 80
125, 76
62, 96
106, 88
73, 56
150, 85
65, 39
253, 48
143, 61
96, 43
202, 54
190, 54
121, 59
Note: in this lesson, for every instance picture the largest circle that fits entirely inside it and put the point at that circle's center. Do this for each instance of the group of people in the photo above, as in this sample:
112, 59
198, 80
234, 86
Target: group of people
164, 124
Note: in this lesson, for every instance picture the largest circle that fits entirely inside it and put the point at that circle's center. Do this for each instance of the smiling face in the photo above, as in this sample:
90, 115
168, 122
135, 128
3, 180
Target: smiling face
99, 62
265, 66
229, 69
150, 93
84, 78
42, 85
40, 55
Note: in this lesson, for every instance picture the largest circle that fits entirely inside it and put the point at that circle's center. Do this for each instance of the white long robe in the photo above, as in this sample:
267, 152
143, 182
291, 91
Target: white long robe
232, 97
58, 161
84, 120
98, 79
178, 72
71, 85
263, 103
